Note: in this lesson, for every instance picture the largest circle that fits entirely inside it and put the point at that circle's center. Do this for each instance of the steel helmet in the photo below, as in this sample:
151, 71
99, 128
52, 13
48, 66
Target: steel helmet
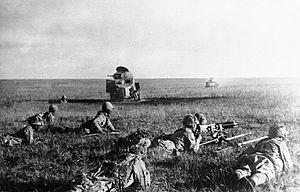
107, 107
53, 108
189, 121
201, 118
278, 130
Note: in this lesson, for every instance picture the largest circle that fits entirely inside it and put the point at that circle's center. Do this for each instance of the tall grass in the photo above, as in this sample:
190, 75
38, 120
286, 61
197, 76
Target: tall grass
57, 158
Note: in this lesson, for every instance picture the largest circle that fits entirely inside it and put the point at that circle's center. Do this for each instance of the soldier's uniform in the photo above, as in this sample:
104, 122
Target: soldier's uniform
35, 123
100, 122
129, 174
43, 121
269, 158
26, 134
23, 136
182, 140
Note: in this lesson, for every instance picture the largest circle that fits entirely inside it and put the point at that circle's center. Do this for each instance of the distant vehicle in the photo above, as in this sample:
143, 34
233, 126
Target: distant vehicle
211, 83
122, 86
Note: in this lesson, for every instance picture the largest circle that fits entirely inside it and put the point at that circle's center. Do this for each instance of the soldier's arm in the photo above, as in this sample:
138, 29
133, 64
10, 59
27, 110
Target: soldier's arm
98, 124
192, 144
286, 158
110, 125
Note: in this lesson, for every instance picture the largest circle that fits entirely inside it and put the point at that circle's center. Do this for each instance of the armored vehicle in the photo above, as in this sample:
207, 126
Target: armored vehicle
122, 86
211, 83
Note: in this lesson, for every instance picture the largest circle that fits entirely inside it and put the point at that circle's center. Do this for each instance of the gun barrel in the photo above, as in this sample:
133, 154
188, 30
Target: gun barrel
252, 140
231, 124
208, 142
238, 136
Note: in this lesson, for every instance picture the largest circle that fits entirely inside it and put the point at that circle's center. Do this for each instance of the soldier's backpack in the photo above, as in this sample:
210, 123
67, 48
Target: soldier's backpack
125, 144
129, 175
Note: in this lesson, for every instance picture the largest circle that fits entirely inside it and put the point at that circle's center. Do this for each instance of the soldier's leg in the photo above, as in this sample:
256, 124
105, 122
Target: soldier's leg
258, 179
10, 140
243, 171
245, 167
264, 171
28, 135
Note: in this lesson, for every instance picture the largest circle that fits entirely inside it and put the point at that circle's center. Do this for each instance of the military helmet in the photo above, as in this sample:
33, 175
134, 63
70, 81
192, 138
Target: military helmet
201, 118
278, 130
53, 108
189, 121
107, 107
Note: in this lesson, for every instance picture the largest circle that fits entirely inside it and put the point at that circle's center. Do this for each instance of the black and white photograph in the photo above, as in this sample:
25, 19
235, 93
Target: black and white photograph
149, 95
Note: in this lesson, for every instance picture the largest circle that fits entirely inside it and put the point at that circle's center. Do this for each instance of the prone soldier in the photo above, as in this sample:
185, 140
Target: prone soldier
101, 122
269, 158
38, 122
182, 140
127, 172
43, 121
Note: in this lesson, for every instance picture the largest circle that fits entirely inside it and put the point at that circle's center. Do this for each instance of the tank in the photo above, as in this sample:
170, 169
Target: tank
122, 86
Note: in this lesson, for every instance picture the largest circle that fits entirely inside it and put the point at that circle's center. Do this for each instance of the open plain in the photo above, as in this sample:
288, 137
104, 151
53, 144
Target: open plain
57, 158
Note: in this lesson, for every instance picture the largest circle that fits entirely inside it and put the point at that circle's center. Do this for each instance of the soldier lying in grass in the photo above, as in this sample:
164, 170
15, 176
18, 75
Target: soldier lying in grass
269, 158
100, 122
43, 121
182, 140
125, 173
38, 122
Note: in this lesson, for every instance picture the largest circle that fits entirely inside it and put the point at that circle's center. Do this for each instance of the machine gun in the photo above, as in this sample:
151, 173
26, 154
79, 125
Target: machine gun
218, 133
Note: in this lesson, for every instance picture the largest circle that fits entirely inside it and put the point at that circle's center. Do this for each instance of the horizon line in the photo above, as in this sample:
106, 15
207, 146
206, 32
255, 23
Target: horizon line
279, 77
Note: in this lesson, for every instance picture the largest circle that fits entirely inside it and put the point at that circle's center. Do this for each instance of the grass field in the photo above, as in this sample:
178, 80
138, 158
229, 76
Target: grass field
57, 159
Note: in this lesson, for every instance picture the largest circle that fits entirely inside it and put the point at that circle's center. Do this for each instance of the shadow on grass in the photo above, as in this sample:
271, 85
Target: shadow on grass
159, 100
10, 186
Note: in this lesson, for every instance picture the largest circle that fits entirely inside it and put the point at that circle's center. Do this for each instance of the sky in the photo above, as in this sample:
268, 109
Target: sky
64, 39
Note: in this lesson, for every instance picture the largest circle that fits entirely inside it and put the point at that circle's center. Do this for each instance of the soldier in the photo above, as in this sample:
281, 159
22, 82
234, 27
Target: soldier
182, 140
23, 136
63, 99
201, 119
269, 158
38, 122
100, 122
128, 173
43, 121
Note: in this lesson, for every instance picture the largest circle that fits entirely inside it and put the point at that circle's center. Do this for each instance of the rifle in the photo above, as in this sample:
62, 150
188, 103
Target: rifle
238, 145
221, 138
251, 141
98, 134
